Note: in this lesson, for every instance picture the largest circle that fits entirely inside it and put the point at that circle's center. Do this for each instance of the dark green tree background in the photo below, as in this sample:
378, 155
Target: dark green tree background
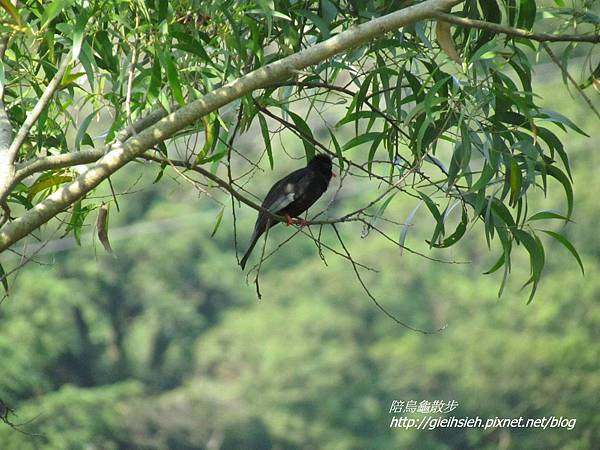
166, 346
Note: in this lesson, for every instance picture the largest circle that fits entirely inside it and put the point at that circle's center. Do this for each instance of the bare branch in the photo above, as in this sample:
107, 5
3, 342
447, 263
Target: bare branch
319, 243
368, 292
230, 176
260, 262
515, 32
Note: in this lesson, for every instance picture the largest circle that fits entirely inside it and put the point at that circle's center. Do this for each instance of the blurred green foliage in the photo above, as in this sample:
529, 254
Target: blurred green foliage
165, 346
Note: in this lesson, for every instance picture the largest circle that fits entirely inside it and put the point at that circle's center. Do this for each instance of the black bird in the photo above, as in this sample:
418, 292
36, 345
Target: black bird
292, 195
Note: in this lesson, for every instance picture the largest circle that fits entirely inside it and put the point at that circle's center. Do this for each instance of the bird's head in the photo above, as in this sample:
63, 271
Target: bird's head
322, 163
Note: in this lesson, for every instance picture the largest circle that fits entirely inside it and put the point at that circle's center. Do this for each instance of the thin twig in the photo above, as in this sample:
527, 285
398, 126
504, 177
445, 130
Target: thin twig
230, 177
516, 32
570, 78
260, 261
30, 257
373, 299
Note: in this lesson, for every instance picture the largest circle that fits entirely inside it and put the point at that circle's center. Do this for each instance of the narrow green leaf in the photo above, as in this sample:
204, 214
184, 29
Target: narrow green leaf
163, 9
357, 115
195, 49
555, 144
52, 10
380, 211
78, 30
536, 257
318, 22
46, 183
549, 214
433, 209
486, 51
85, 123
516, 181
328, 10
435, 212
560, 176
373, 150
338, 150
527, 10
86, 58
457, 235
266, 138
160, 174
559, 119
309, 148
406, 225
173, 78
502, 212
361, 139
218, 222
564, 241
155, 80
499, 263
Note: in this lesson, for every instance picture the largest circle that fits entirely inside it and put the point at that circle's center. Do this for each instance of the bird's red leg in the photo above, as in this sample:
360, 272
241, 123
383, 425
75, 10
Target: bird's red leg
288, 219
302, 222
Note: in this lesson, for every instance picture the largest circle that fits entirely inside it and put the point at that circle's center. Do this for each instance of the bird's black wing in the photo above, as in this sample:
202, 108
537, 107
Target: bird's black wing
286, 190
281, 195
292, 195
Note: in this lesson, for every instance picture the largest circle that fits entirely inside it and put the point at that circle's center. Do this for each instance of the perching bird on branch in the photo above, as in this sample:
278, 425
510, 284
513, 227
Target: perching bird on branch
291, 196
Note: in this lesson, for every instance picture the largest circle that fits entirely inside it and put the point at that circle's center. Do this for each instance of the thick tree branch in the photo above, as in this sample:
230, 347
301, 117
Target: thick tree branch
185, 116
516, 32
63, 160
37, 110
143, 123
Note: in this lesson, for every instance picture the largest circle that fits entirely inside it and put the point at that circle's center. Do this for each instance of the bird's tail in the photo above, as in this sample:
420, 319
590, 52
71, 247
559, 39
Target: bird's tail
253, 242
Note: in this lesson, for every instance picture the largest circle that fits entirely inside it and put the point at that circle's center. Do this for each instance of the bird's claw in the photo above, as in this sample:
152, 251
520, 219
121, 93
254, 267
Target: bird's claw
289, 220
